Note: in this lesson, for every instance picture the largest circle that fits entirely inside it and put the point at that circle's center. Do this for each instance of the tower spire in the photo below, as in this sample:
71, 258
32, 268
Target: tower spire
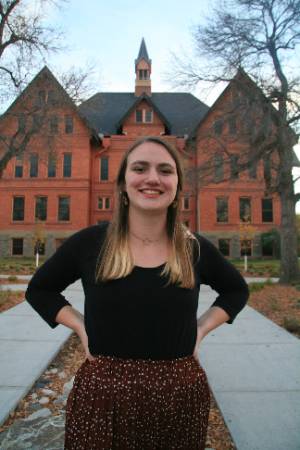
143, 71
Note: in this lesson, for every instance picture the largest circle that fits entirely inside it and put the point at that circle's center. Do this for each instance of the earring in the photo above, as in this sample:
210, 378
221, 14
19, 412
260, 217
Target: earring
174, 204
125, 199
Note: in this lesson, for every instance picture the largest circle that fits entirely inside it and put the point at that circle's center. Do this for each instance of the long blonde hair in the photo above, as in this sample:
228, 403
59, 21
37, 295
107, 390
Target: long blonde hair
115, 259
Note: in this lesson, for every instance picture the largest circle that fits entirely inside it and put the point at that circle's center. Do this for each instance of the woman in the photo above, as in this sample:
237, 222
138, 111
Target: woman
141, 386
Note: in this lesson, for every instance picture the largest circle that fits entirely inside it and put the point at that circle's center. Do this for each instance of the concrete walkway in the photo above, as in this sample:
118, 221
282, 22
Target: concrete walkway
253, 367
27, 346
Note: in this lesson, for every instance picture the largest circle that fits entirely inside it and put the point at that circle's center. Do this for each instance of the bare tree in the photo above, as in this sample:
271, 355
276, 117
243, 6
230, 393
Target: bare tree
79, 82
262, 37
25, 42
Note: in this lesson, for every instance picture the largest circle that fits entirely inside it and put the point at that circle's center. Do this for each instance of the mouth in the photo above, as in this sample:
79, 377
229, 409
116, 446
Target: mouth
151, 191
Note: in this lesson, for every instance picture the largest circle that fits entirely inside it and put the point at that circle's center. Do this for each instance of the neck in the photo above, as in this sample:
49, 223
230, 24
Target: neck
152, 225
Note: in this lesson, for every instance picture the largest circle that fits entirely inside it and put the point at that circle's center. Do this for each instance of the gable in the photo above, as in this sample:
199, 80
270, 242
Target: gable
44, 96
144, 105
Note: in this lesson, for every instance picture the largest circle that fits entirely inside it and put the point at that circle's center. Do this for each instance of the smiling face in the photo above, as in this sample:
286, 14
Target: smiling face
151, 177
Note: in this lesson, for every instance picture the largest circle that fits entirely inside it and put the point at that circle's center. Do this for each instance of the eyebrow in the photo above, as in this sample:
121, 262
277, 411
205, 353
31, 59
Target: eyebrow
146, 163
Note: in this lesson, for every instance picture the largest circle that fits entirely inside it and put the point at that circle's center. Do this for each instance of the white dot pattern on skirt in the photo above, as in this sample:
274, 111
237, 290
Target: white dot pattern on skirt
141, 404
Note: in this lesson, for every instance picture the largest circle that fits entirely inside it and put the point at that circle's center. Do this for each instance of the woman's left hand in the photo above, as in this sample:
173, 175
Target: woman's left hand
200, 336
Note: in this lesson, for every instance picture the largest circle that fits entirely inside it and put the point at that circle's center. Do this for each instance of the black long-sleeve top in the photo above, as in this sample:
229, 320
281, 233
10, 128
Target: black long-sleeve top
137, 316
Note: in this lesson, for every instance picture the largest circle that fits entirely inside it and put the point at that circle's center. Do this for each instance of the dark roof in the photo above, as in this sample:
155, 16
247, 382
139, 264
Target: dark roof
182, 111
143, 54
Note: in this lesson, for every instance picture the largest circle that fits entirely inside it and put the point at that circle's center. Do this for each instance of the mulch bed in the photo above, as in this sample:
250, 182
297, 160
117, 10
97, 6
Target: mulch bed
279, 303
17, 281
13, 298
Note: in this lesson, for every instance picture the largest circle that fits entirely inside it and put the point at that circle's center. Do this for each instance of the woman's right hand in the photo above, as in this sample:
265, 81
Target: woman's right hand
73, 319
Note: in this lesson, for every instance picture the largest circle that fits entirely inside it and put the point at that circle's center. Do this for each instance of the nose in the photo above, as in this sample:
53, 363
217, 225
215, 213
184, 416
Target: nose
153, 176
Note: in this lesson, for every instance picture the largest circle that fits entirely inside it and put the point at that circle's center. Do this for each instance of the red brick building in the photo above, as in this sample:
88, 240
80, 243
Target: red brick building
65, 180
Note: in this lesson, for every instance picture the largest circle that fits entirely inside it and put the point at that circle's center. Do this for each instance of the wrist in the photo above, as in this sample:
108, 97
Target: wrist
201, 332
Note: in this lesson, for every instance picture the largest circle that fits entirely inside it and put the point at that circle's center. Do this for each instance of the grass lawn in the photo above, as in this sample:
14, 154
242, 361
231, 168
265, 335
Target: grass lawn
18, 266
258, 267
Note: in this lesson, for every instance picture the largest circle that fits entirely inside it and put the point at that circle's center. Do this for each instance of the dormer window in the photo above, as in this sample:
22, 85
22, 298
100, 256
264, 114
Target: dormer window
148, 115
143, 74
144, 116
139, 115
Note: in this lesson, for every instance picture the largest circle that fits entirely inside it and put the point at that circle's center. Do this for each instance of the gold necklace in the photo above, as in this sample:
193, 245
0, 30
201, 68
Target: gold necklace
145, 241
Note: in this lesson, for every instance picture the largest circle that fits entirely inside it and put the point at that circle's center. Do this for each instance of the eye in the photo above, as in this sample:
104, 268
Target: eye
138, 169
166, 171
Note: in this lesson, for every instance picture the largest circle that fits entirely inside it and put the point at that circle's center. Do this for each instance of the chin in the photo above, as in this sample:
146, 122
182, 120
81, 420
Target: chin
152, 208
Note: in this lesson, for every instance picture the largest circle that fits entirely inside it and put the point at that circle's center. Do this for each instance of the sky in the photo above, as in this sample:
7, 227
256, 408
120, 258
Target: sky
108, 35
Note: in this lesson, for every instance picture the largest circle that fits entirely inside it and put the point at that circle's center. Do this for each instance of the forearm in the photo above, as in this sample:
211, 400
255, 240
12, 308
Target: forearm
211, 319
71, 318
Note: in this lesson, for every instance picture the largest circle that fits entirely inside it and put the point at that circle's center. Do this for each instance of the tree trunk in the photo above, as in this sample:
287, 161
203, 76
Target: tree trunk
289, 267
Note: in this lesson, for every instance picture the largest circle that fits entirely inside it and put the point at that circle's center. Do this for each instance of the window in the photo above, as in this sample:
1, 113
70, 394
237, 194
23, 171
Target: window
144, 116
67, 165
148, 115
143, 74
218, 127
21, 123
246, 247
53, 124
253, 169
19, 167
34, 165
270, 243
267, 248
139, 116
245, 209
52, 98
186, 202
234, 171
17, 246
41, 98
68, 124
51, 166
41, 208
267, 168
222, 209
103, 203
104, 168
219, 169
235, 97
18, 208
267, 209
63, 208
224, 246
232, 125
37, 122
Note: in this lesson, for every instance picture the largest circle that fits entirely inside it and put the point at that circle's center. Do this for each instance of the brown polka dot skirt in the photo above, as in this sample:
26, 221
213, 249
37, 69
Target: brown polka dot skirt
141, 404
